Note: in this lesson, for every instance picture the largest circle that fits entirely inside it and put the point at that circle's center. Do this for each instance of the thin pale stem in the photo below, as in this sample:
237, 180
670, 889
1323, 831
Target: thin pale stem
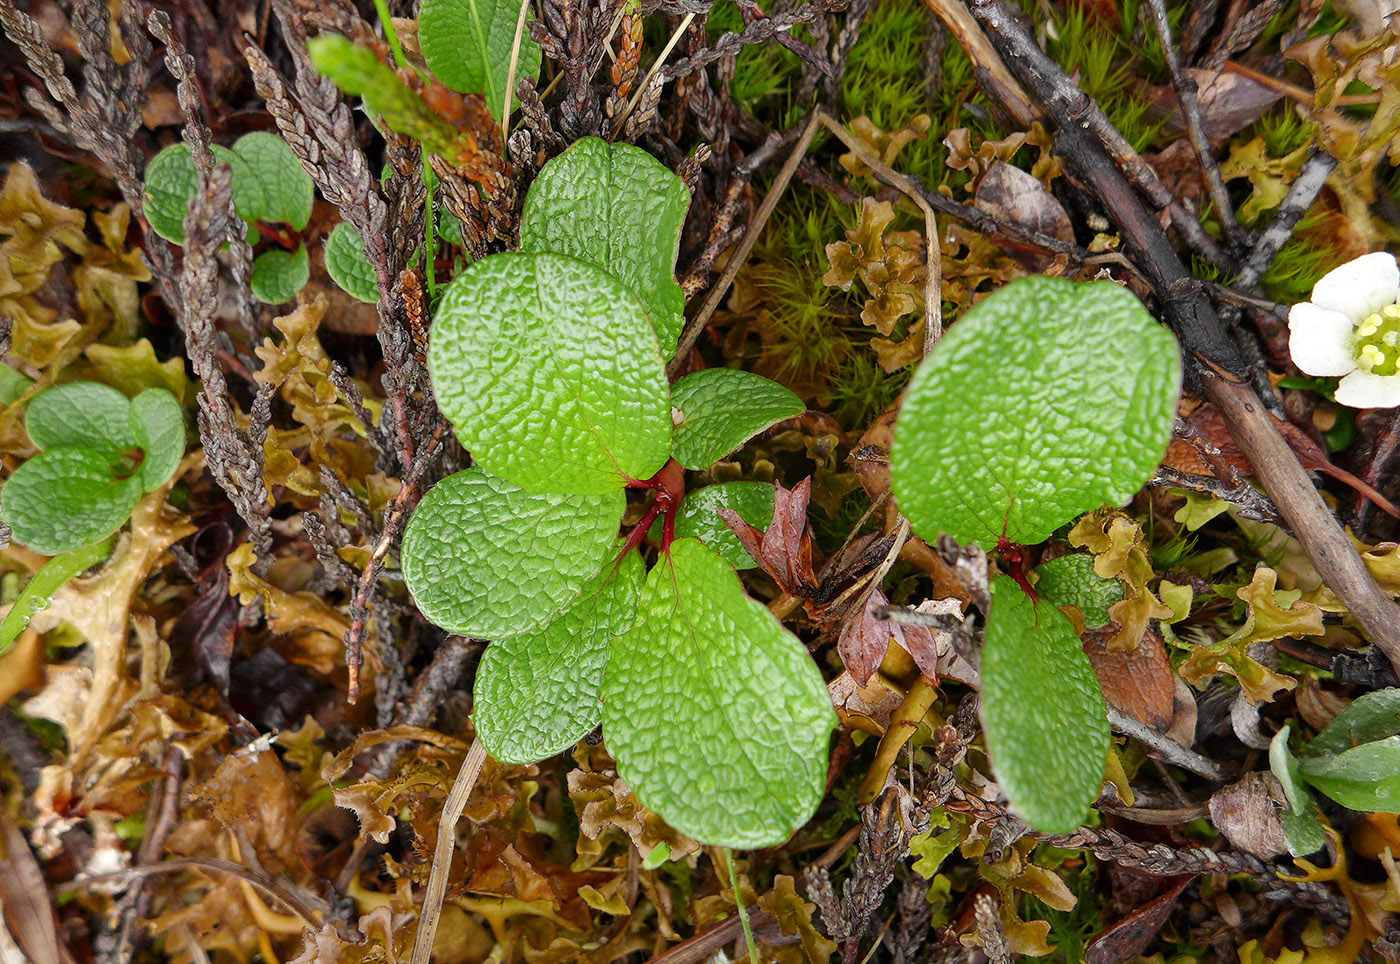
442, 854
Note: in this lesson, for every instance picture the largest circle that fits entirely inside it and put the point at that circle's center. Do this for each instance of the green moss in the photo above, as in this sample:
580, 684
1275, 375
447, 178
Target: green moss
1298, 265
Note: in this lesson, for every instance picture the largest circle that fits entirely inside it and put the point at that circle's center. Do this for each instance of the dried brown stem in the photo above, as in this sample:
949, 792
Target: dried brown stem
442, 854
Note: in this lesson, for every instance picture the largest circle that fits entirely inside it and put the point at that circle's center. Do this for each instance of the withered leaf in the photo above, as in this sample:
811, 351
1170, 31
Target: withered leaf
784, 549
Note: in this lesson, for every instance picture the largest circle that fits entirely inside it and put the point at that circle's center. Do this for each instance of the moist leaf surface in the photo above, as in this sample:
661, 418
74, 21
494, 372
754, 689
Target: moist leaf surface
467, 44
549, 372
721, 409
537, 693
697, 518
486, 559
717, 716
64, 498
616, 207
158, 426
1043, 713
1046, 400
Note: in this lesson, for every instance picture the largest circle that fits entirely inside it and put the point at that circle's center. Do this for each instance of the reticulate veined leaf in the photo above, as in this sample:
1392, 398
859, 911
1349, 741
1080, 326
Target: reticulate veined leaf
1364, 778
697, 518
549, 372
1369, 717
1300, 826
1071, 581
158, 426
1044, 716
486, 559
268, 184
278, 275
64, 498
467, 44
85, 414
718, 718
1046, 400
537, 693
616, 207
722, 408
347, 265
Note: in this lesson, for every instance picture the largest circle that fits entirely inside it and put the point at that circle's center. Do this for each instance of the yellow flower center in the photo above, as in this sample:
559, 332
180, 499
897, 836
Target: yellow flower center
1376, 342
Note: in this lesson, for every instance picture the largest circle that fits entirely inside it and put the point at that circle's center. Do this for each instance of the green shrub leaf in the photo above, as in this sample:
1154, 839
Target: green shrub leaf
13, 384
1369, 717
722, 408
347, 265
485, 559
1070, 581
1300, 827
467, 45
1043, 713
66, 497
158, 426
269, 183
88, 415
549, 372
34, 598
718, 718
1364, 778
697, 518
617, 207
1046, 400
279, 275
537, 694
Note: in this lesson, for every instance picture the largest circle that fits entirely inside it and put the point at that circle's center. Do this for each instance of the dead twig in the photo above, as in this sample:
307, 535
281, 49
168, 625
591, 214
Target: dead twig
442, 854
1165, 747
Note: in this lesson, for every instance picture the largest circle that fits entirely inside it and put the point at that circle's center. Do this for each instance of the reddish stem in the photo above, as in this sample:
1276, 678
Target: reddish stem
669, 486
1015, 558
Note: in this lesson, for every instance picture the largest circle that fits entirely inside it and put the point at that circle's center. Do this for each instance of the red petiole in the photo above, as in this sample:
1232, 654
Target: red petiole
669, 486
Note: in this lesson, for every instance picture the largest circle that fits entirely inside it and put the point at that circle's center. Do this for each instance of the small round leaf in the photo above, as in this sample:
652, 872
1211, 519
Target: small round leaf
269, 184
722, 408
64, 498
486, 559
347, 265
1071, 581
1048, 399
279, 275
697, 518
158, 425
85, 414
550, 373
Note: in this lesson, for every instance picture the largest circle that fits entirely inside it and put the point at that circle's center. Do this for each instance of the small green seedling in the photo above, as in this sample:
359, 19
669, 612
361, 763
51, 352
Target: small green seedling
1355, 761
269, 187
1044, 401
99, 453
551, 370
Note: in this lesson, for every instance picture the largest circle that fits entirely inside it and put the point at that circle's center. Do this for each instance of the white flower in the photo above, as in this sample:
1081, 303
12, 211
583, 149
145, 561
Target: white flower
1351, 327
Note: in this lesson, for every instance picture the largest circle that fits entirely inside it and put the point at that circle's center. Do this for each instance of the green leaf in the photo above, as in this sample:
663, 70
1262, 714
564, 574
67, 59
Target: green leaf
546, 367
1043, 713
467, 44
449, 226
718, 718
65, 498
697, 518
485, 559
1070, 581
537, 694
1300, 826
158, 426
1364, 778
722, 408
34, 598
13, 384
1046, 400
347, 265
269, 183
617, 207
89, 415
170, 183
279, 275
1370, 717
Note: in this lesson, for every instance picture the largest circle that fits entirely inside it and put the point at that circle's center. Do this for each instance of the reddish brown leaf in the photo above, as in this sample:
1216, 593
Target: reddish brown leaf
1247, 814
784, 549
1138, 683
1128, 938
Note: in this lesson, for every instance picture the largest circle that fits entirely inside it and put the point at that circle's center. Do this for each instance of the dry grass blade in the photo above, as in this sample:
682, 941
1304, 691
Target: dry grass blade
442, 854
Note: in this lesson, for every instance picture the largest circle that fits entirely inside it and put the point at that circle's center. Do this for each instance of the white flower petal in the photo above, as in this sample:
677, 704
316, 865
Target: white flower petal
1361, 287
1365, 390
1320, 340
